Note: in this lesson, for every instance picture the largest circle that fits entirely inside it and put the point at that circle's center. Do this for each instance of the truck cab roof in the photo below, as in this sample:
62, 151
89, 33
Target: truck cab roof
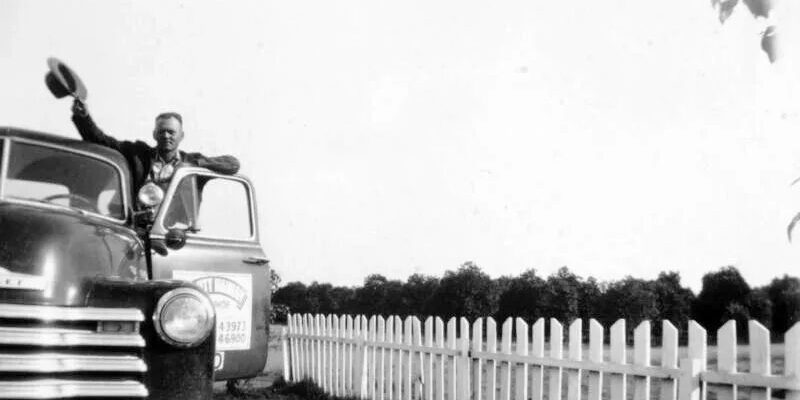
74, 144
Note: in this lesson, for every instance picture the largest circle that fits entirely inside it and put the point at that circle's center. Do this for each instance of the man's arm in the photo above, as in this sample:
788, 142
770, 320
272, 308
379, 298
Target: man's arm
89, 131
227, 165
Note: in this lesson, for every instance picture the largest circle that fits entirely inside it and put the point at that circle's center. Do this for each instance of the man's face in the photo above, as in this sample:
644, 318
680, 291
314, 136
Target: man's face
168, 134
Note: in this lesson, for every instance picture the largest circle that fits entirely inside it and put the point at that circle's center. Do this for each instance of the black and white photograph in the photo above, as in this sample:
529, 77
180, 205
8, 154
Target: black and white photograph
400, 200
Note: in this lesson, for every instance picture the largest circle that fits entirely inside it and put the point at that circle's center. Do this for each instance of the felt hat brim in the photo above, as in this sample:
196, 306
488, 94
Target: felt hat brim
63, 81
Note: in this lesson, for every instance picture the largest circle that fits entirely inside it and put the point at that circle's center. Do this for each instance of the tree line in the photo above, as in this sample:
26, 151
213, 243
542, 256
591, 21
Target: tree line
469, 292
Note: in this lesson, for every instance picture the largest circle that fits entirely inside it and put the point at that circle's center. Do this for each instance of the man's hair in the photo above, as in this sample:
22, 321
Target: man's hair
168, 115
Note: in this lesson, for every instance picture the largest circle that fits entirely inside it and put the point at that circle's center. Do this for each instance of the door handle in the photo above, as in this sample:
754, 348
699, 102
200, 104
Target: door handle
255, 260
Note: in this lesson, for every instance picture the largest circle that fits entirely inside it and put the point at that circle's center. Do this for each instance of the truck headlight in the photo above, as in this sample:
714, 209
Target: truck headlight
184, 317
150, 195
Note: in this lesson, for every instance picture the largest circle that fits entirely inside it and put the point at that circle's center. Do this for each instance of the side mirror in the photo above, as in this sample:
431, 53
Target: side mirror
159, 247
175, 239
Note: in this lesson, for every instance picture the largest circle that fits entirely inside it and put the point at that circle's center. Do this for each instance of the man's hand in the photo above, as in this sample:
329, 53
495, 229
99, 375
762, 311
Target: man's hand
79, 108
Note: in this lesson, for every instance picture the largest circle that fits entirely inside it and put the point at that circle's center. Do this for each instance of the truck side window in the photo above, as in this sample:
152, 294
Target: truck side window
183, 208
224, 210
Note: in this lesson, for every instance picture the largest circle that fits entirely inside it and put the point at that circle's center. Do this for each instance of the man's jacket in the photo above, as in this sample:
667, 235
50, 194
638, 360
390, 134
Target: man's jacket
140, 154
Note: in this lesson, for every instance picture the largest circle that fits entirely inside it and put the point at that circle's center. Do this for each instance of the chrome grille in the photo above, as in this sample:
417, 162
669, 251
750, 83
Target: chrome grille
49, 352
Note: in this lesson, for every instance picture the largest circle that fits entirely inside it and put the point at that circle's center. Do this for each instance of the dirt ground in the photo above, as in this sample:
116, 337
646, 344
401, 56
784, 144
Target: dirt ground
260, 386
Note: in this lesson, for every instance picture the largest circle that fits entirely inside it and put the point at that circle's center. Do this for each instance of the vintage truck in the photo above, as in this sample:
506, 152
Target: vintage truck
100, 298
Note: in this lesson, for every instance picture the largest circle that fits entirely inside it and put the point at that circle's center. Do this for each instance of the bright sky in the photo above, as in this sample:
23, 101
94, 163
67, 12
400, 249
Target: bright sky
394, 137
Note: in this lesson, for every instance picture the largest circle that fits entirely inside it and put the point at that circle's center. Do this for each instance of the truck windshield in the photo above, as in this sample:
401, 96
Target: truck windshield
54, 176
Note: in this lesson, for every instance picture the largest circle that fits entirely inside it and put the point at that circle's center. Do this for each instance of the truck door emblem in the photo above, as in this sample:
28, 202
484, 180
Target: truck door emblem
224, 287
16, 280
232, 296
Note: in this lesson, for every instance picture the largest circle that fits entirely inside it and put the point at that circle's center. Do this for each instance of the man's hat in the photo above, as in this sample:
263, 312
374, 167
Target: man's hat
63, 81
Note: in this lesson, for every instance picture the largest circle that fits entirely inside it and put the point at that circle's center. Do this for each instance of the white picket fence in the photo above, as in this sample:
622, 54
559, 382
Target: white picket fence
395, 359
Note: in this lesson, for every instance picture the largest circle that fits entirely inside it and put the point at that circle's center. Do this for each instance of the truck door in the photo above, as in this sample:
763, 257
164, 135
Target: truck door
223, 256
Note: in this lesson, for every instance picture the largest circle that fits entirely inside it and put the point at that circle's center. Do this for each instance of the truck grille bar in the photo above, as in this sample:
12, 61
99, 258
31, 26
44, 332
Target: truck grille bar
67, 388
50, 352
66, 337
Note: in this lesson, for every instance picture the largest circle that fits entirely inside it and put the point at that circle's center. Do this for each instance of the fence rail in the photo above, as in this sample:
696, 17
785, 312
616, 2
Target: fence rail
396, 359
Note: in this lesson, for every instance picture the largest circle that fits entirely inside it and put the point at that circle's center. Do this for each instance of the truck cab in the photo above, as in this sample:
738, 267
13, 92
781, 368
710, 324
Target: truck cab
99, 298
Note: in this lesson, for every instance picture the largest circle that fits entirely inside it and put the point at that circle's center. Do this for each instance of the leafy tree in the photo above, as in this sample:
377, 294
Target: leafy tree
589, 299
417, 292
319, 298
759, 306
342, 299
784, 295
294, 296
674, 303
758, 9
379, 296
274, 280
522, 297
632, 299
561, 296
724, 296
467, 292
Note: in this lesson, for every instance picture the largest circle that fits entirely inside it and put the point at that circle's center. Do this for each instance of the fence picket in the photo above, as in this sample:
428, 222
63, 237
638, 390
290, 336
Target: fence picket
440, 378
409, 340
390, 392
354, 364
362, 371
330, 327
596, 356
641, 356
335, 344
760, 357
521, 369
451, 387
285, 351
726, 357
347, 357
321, 350
350, 350
537, 350
329, 352
420, 375
477, 364
491, 347
463, 361
556, 352
669, 359
398, 361
307, 348
318, 348
293, 337
343, 356
382, 357
505, 370
429, 359
698, 350
292, 359
792, 358
303, 346
617, 382
373, 350
319, 323
575, 353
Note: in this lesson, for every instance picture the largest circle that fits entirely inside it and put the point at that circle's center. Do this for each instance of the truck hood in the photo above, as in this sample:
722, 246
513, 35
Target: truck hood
48, 255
